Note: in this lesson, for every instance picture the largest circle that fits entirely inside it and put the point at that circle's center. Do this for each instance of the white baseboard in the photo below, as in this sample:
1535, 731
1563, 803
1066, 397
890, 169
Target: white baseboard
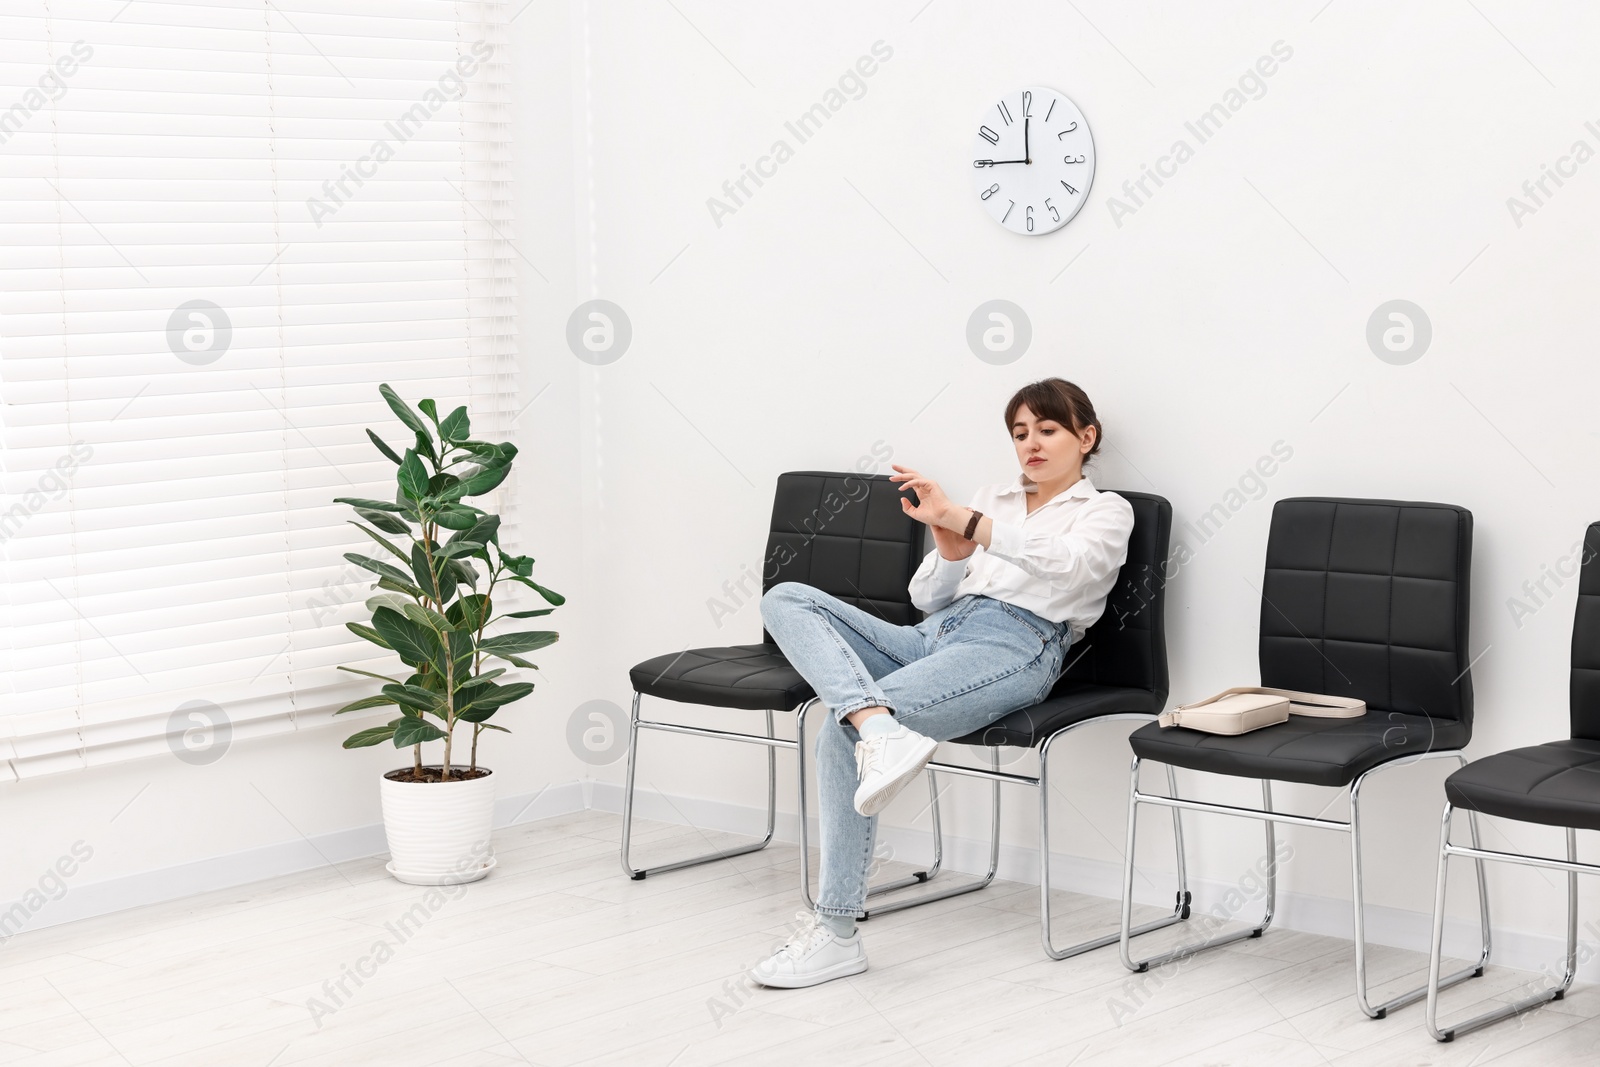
91, 899
1296, 911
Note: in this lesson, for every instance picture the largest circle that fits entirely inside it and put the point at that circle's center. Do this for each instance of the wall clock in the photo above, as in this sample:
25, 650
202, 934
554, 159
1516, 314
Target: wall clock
1033, 160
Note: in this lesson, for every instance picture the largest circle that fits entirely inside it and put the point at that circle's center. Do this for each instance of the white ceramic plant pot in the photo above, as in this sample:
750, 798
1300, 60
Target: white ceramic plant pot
438, 832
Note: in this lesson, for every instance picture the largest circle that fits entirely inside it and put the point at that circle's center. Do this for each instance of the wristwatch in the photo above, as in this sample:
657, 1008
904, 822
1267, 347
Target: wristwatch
972, 524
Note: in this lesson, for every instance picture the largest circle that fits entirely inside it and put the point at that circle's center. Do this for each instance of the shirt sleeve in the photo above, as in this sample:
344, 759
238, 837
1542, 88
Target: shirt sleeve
1084, 557
934, 584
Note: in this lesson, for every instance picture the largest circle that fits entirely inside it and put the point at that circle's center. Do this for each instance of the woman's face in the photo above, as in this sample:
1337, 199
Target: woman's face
1047, 450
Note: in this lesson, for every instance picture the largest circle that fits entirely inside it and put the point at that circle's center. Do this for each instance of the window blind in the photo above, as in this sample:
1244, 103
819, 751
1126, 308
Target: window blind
225, 223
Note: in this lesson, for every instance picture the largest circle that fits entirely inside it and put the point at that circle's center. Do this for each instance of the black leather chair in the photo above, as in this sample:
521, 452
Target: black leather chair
1361, 598
1117, 672
843, 533
1554, 784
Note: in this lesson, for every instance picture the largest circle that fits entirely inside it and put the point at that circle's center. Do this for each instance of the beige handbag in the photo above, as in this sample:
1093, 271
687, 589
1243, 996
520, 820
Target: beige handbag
1244, 708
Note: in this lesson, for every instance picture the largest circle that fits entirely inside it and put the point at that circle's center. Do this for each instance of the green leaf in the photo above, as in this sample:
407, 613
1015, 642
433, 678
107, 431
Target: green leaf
425, 447
414, 732
492, 726
414, 644
456, 426
486, 530
469, 613
440, 590
549, 594
414, 696
392, 601
384, 520
379, 567
516, 661
383, 446
413, 476
457, 517
457, 548
367, 738
495, 696
430, 409
525, 641
382, 540
361, 502
520, 566
364, 703
400, 587
401, 409
369, 674
535, 613
427, 617
370, 634
478, 483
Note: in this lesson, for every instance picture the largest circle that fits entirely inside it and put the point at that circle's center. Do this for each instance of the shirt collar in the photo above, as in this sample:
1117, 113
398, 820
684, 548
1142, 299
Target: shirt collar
1023, 484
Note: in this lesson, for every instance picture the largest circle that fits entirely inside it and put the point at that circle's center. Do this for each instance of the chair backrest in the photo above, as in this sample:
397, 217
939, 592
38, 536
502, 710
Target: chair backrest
845, 534
1586, 642
1128, 645
1369, 599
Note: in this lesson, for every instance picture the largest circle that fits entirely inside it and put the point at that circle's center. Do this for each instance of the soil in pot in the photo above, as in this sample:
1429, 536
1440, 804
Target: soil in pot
431, 774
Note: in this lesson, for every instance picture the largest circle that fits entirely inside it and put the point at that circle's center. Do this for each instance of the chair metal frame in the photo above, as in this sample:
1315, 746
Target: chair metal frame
1479, 855
997, 777
1271, 818
772, 743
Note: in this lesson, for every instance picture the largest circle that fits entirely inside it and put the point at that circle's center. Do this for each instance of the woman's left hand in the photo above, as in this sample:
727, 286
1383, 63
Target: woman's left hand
933, 507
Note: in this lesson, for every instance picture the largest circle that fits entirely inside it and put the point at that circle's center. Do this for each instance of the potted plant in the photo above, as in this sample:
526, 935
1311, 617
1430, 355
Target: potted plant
434, 610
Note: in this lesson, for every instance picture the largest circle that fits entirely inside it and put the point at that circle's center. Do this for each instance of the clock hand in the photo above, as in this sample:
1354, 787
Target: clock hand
995, 162
1027, 155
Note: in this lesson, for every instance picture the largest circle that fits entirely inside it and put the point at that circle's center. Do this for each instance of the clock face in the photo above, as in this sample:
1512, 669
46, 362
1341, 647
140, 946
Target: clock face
1033, 160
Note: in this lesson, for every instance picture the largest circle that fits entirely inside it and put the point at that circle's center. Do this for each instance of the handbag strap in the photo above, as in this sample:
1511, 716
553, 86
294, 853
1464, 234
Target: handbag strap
1320, 705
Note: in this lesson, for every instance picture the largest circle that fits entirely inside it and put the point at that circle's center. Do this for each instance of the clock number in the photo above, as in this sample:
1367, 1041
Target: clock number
1054, 214
1047, 113
1069, 159
988, 135
1068, 130
1005, 112
1007, 215
1027, 104
1030, 218
987, 193
1070, 189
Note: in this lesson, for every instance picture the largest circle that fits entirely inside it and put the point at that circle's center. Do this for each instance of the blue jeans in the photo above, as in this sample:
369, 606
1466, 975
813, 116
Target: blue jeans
953, 673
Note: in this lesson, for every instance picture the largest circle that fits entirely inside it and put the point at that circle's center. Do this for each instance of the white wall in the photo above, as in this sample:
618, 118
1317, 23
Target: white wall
1224, 314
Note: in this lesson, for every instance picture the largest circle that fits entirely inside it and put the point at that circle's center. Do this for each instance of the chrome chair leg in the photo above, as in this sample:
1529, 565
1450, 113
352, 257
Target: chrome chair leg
1436, 949
1180, 910
1127, 931
639, 873
1359, 910
915, 878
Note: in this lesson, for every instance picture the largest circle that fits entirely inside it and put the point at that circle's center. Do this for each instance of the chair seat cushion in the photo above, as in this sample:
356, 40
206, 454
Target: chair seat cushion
756, 677
1316, 751
1069, 703
1557, 784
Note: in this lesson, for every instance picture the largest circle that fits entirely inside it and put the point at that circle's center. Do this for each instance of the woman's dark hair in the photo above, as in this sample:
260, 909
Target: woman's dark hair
1061, 401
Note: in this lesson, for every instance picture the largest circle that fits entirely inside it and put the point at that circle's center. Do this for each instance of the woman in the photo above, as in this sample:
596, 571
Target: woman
1012, 582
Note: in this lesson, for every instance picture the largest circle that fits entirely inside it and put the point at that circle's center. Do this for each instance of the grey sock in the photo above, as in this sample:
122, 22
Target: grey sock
841, 925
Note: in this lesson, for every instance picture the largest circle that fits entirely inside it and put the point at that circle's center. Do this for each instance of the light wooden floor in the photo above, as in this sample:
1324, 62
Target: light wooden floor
556, 958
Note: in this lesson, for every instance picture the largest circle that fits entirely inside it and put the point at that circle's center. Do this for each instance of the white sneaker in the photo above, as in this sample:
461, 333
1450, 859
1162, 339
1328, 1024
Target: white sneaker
815, 954
885, 763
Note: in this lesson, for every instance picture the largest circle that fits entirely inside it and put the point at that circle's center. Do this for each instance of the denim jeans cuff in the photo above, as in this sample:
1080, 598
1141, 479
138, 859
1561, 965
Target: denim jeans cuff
851, 709
854, 913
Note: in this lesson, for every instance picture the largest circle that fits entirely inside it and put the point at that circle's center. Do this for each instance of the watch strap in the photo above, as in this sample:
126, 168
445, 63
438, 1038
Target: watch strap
972, 524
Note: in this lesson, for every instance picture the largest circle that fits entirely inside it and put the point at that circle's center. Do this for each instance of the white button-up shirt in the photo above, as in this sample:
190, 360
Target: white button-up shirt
1059, 562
